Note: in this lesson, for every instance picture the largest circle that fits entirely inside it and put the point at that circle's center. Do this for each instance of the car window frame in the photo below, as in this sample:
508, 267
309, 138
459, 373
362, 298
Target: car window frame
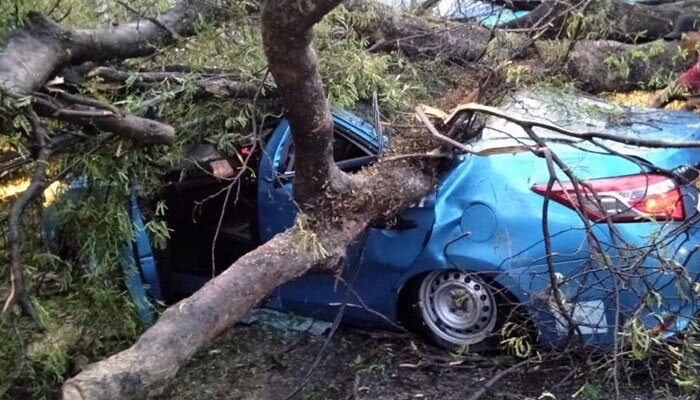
284, 175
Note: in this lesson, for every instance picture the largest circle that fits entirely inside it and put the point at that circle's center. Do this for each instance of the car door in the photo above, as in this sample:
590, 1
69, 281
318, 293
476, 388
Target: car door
353, 148
389, 247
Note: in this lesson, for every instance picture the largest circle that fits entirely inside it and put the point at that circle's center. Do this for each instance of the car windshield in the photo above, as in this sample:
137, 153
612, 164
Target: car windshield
583, 113
484, 12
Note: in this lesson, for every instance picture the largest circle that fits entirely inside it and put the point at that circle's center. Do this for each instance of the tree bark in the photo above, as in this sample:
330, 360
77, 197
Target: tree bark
632, 23
623, 21
287, 38
599, 65
210, 85
192, 324
418, 37
34, 52
606, 66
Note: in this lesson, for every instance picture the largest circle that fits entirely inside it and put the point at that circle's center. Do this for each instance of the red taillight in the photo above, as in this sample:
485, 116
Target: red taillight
622, 199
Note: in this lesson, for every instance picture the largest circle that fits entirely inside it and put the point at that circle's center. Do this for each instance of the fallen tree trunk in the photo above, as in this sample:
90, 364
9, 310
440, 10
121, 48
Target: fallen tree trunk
34, 52
598, 65
615, 20
341, 207
606, 66
191, 325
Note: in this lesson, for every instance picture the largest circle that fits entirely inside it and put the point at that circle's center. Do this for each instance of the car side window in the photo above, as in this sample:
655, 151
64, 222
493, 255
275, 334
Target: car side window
345, 149
349, 154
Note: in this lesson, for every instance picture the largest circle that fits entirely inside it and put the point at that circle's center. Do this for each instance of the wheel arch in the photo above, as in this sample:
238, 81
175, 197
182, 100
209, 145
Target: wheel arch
506, 290
501, 280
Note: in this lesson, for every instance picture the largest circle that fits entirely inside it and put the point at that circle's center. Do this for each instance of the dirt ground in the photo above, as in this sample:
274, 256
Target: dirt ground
258, 362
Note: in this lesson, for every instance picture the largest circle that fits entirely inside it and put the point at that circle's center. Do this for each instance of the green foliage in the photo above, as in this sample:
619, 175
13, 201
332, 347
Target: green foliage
518, 344
15, 14
79, 291
589, 22
619, 64
514, 74
591, 391
307, 240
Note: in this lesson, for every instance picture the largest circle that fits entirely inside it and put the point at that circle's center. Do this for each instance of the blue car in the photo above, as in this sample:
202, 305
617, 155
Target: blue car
472, 256
484, 12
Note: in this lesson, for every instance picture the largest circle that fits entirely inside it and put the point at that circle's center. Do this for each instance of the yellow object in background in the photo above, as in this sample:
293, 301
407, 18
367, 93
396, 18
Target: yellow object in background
638, 98
13, 189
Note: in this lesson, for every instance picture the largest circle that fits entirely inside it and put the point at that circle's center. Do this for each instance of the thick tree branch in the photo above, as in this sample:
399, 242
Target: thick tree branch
192, 324
287, 37
417, 37
548, 16
599, 65
624, 21
34, 52
209, 85
105, 117
602, 65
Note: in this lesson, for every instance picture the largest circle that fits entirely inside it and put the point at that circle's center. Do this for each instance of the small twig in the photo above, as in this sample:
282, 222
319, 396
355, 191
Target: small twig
431, 128
482, 391
425, 6
356, 387
53, 8
236, 179
378, 125
87, 101
155, 21
82, 114
549, 252
417, 155
334, 327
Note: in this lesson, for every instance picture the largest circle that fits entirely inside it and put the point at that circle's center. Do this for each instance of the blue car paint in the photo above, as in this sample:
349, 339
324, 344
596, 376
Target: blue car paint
484, 217
485, 13
139, 264
137, 260
275, 210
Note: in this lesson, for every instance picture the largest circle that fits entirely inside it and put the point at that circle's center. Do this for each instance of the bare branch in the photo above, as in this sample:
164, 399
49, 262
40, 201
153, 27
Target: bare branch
497, 377
102, 116
210, 84
530, 123
18, 292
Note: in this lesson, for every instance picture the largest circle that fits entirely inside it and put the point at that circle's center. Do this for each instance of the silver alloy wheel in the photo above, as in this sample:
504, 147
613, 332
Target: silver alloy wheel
457, 307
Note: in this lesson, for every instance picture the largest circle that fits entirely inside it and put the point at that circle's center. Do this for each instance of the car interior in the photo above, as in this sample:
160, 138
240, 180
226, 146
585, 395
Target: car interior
203, 209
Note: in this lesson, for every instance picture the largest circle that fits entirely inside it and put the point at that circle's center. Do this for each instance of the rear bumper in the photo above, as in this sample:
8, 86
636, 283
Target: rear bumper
649, 285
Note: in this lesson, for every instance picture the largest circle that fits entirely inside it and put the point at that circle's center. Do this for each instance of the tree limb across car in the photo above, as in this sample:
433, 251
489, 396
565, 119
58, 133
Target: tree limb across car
339, 205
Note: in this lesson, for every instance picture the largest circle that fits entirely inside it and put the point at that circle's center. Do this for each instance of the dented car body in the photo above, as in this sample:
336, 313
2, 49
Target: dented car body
455, 265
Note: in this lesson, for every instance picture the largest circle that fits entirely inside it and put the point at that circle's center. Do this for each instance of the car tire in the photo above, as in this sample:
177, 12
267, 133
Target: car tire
455, 309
